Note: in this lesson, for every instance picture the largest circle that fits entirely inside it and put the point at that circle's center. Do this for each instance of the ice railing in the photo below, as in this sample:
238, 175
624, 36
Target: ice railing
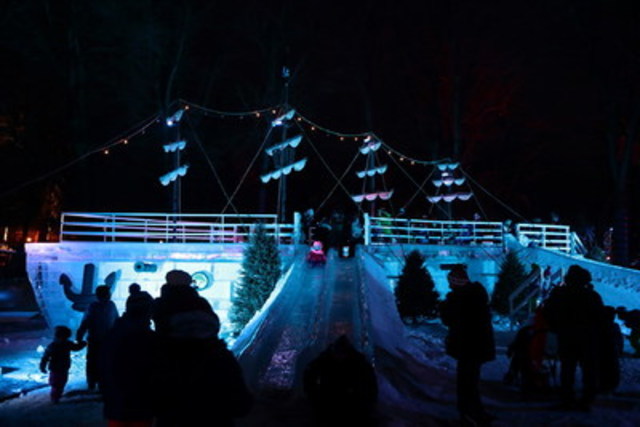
237, 228
383, 230
388, 230
177, 228
550, 236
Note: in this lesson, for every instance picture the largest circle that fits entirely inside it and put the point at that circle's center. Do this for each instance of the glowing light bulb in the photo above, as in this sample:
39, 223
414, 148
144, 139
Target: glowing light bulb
106, 151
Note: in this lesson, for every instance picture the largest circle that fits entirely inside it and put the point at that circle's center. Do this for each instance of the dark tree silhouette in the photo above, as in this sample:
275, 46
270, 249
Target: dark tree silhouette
415, 293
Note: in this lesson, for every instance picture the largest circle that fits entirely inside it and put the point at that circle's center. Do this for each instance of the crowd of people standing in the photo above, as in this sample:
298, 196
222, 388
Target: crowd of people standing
586, 334
179, 372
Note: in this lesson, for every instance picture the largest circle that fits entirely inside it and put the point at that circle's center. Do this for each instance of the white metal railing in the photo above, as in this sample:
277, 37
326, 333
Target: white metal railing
232, 228
164, 227
382, 230
546, 236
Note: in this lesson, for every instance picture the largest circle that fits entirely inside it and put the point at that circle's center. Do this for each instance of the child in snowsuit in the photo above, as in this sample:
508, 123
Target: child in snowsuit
527, 353
631, 319
57, 357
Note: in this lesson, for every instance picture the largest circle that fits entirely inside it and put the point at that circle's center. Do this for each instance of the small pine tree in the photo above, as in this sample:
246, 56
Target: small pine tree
512, 274
260, 272
415, 293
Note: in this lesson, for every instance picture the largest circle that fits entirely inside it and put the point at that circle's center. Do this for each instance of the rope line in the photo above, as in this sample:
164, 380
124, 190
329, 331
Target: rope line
246, 172
338, 181
492, 196
210, 163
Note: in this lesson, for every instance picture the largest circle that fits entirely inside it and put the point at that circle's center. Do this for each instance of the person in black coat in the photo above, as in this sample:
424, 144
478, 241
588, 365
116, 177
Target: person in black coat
465, 311
96, 322
128, 367
341, 385
198, 380
575, 313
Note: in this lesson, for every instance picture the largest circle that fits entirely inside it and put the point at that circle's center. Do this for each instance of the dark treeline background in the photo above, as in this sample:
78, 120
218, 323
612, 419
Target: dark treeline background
538, 100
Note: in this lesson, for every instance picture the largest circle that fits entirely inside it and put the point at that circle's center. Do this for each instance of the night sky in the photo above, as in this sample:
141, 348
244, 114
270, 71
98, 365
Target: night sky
537, 100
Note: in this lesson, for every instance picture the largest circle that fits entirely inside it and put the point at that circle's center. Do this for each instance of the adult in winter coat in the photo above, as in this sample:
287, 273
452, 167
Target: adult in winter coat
465, 311
199, 382
96, 323
129, 357
341, 385
575, 312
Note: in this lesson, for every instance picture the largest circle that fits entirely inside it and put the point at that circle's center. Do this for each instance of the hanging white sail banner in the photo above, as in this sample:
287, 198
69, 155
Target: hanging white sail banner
265, 178
297, 166
278, 121
448, 181
291, 142
437, 182
175, 146
464, 196
449, 166
370, 146
434, 199
371, 172
167, 178
383, 195
449, 197
460, 181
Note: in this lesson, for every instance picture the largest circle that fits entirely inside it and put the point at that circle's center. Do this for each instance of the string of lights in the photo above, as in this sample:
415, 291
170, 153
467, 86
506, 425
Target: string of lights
184, 107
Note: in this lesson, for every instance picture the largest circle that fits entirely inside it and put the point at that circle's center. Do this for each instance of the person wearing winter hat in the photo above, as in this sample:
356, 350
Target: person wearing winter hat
198, 379
465, 311
178, 296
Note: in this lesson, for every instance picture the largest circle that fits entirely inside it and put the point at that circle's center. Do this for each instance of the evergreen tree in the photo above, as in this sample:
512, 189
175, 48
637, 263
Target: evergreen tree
260, 272
415, 293
512, 274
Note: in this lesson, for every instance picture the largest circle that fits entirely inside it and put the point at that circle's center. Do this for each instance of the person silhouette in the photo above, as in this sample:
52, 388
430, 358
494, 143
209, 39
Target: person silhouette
130, 352
57, 359
198, 379
465, 311
341, 385
575, 313
96, 322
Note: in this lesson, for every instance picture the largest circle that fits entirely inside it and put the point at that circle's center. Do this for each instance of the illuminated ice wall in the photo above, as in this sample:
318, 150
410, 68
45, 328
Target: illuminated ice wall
64, 275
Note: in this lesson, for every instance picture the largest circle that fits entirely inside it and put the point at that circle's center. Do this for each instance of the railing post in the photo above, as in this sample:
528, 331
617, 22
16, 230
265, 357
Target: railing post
297, 228
62, 219
367, 229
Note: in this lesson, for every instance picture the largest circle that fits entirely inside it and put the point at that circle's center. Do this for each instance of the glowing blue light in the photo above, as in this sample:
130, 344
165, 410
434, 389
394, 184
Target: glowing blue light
175, 118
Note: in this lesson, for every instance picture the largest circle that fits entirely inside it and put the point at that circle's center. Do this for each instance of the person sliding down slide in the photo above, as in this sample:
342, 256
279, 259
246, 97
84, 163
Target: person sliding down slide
316, 255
